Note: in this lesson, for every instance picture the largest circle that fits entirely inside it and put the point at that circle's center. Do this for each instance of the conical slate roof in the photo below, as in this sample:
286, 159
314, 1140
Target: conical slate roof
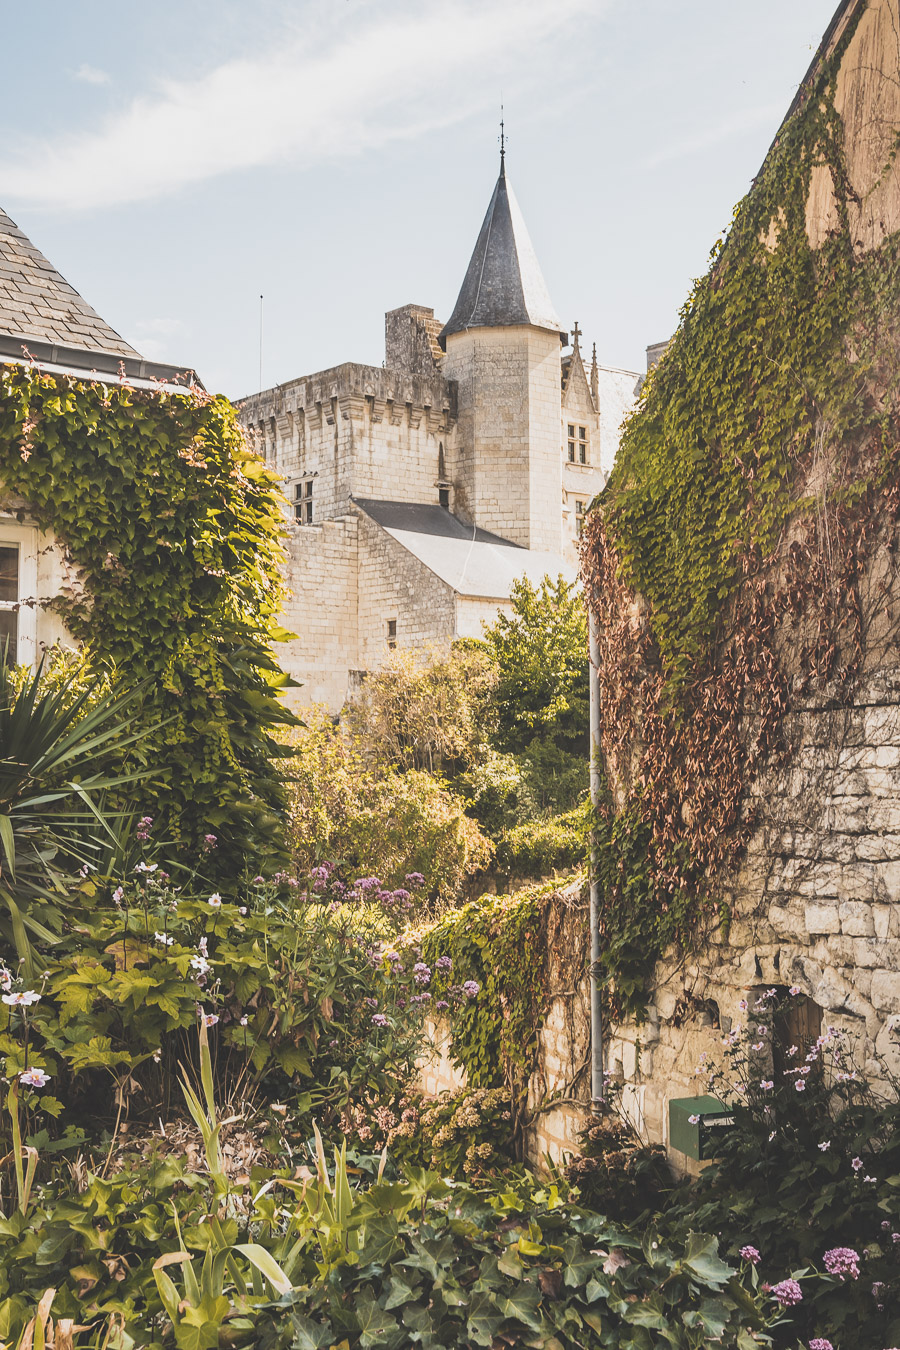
503, 284
39, 305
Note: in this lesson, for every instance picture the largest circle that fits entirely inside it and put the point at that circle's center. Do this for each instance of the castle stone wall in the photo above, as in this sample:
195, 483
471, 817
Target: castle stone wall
322, 610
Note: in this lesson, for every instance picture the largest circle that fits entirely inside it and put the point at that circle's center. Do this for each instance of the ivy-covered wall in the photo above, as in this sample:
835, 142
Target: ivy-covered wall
174, 528
740, 563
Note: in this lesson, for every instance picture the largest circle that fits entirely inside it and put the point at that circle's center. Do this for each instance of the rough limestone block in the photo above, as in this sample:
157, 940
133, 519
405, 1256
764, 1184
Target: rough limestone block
886, 990
886, 920
822, 919
856, 918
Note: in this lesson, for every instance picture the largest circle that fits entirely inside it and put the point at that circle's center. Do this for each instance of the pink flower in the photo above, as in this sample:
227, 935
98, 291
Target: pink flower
215, 900
379, 1020
800, 1085
857, 1164
750, 1254
34, 1078
842, 1261
787, 1292
794, 991
825, 1145
209, 1019
766, 1084
820, 1343
693, 1120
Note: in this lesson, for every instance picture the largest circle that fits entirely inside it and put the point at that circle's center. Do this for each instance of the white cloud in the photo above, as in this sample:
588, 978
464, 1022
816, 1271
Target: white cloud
356, 79
769, 115
91, 75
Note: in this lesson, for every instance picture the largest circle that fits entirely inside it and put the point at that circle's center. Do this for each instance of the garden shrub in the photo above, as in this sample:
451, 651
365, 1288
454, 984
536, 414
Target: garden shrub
429, 709
465, 1134
294, 980
376, 819
539, 848
174, 529
517, 1267
615, 1172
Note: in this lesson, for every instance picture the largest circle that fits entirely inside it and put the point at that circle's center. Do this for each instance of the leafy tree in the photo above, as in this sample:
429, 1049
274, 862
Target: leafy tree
541, 652
427, 710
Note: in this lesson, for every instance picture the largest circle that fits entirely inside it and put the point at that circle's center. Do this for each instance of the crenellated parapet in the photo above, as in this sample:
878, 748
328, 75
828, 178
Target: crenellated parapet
351, 390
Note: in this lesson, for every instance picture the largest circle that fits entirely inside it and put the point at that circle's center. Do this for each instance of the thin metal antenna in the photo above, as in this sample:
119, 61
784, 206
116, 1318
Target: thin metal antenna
260, 340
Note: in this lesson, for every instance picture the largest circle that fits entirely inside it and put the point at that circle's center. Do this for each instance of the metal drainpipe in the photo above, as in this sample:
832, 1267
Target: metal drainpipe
596, 1012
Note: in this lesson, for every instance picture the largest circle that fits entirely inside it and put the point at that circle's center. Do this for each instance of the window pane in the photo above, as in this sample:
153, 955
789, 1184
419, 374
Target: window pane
309, 488
9, 633
571, 431
9, 573
582, 453
582, 432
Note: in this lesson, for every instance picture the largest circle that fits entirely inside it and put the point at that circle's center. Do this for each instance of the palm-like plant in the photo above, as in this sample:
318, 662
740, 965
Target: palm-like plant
59, 747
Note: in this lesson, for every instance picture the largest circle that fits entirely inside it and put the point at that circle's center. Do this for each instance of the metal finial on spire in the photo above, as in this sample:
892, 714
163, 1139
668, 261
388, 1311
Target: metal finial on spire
576, 334
502, 138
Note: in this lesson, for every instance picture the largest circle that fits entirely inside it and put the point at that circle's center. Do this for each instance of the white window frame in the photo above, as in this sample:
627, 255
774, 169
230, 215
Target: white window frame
24, 538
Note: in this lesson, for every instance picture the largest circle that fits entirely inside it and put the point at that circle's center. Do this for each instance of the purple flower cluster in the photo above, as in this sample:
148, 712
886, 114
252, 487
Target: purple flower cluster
787, 1293
750, 1254
471, 988
444, 964
143, 830
841, 1262
421, 973
820, 1343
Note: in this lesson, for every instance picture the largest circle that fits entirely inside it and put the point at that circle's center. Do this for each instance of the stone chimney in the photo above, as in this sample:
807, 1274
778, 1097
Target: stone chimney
411, 340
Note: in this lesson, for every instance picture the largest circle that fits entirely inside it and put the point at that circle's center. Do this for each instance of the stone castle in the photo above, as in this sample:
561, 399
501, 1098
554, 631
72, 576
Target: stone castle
419, 491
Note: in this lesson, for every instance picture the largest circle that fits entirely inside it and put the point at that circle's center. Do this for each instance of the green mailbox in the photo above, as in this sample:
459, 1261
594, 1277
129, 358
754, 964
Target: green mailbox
696, 1124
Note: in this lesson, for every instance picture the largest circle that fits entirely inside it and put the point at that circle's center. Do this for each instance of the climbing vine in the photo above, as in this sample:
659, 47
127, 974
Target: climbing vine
724, 560
521, 950
173, 527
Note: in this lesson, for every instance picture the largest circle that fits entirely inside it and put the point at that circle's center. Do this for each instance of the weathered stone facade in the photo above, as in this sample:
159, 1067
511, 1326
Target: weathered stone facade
814, 898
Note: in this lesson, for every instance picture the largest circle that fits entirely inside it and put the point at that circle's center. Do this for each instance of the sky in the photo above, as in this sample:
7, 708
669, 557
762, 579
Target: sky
175, 161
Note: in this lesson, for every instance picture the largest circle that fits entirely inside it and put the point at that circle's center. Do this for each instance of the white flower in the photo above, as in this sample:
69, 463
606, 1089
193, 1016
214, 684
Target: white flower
34, 1078
771, 1136
209, 1019
118, 893
872, 1179
166, 941
215, 900
23, 999
243, 1021
200, 964
825, 1145
146, 867
243, 909
693, 1120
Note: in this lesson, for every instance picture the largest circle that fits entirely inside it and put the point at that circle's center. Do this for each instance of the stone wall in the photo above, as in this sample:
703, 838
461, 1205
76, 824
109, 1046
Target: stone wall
394, 585
321, 608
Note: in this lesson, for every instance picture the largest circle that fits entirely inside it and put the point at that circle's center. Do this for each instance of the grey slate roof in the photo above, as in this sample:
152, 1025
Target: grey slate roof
471, 561
503, 284
38, 304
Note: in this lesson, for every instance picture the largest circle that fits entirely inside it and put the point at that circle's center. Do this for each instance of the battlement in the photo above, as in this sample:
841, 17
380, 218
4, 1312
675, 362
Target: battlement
346, 389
